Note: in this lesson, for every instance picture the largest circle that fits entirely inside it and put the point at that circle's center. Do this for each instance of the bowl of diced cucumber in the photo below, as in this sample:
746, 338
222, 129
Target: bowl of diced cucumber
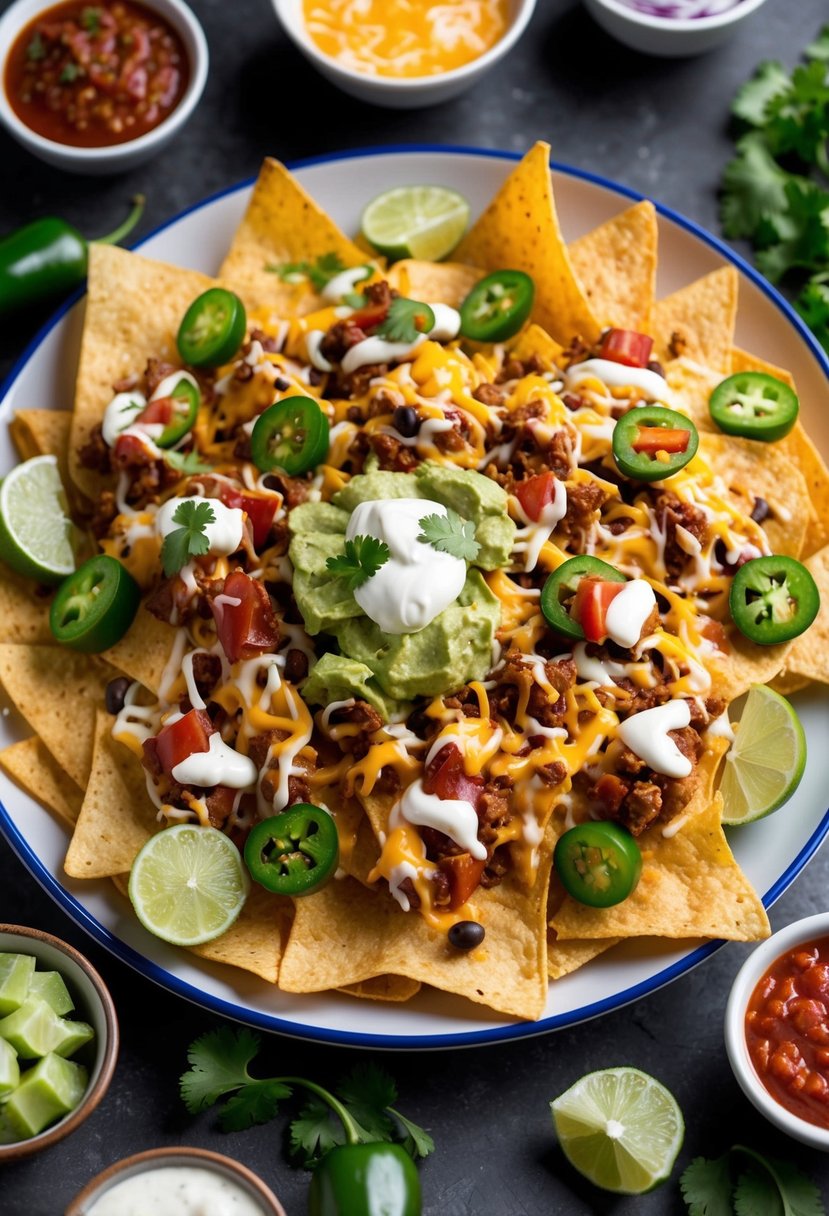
58, 1040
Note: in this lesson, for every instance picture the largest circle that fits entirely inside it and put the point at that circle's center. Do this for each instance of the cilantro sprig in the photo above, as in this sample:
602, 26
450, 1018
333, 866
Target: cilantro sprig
186, 462
406, 320
190, 539
775, 192
451, 534
318, 273
363, 557
745, 1183
360, 1111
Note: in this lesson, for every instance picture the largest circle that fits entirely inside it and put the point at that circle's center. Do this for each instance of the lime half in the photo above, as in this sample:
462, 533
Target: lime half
416, 222
765, 763
188, 884
620, 1128
36, 533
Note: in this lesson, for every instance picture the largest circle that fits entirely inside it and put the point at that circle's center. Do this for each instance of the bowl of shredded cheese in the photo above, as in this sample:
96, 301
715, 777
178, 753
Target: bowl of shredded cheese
398, 54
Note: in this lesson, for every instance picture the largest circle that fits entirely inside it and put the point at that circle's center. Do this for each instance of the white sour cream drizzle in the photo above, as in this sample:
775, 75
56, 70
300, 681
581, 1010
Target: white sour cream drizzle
378, 350
176, 1190
219, 765
312, 344
417, 582
628, 612
651, 385
721, 727
646, 734
398, 875
455, 817
121, 412
530, 540
345, 282
224, 535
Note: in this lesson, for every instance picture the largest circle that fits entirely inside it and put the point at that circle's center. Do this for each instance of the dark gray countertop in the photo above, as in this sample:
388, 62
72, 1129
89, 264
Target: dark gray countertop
661, 127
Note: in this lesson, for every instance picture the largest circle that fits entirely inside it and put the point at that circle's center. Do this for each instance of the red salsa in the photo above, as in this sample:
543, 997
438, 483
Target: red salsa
787, 1031
96, 74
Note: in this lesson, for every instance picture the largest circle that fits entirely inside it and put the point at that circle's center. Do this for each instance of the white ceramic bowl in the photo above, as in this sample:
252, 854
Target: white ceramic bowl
116, 157
747, 978
401, 92
669, 36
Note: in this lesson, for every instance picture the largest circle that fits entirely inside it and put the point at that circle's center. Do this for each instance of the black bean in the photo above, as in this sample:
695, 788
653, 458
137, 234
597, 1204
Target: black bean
405, 421
761, 511
466, 935
281, 384
656, 366
296, 666
116, 691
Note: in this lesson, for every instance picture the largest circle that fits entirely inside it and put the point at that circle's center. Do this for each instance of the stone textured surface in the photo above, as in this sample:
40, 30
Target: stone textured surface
660, 127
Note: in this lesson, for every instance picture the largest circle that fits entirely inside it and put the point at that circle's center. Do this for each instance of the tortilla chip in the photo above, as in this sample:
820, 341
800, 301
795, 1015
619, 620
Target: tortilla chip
282, 224
24, 615
43, 433
691, 886
117, 817
434, 282
133, 310
36, 771
520, 230
58, 692
255, 941
808, 658
384, 988
536, 342
565, 957
616, 264
144, 650
698, 321
787, 682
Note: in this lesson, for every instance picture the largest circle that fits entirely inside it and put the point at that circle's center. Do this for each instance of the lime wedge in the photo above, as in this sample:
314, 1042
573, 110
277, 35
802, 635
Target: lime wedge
188, 884
416, 222
620, 1128
765, 763
36, 534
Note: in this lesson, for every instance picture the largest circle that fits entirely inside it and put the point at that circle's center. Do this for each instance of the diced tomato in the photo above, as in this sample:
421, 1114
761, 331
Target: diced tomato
715, 633
250, 627
446, 776
535, 494
369, 317
592, 600
626, 346
130, 451
178, 740
464, 874
260, 510
653, 439
160, 410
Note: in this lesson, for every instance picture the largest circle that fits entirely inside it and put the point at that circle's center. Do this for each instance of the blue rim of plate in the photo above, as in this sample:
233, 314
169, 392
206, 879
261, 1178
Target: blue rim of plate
509, 1031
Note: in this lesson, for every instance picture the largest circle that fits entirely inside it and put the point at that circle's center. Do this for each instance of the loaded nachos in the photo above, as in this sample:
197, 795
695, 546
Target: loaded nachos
410, 580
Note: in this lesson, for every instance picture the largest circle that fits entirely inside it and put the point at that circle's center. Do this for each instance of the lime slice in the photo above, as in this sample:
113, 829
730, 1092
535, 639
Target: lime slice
416, 222
620, 1128
36, 533
188, 884
765, 763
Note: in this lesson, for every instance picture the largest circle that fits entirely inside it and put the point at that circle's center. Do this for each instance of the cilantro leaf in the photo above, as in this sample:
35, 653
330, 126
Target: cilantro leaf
769, 79
754, 188
318, 273
367, 1090
706, 1187
406, 320
218, 1064
450, 534
754, 1197
91, 20
418, 1142
69, 73
813, 306
798, 238
796, 120
796, 1194
313, 1133
819, 49
188, 540
363, 557
257, 1102
36, 49
186, 462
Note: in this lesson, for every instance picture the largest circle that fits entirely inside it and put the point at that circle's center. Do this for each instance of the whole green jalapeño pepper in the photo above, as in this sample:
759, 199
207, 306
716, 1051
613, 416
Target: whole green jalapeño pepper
48, 258
365, 1180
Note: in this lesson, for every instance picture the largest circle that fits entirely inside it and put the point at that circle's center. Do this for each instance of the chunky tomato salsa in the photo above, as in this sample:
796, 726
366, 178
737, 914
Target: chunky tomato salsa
93, 75
787, 1031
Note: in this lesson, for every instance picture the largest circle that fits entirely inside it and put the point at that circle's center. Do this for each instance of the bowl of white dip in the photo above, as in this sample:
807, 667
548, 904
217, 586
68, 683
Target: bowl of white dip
176, 1182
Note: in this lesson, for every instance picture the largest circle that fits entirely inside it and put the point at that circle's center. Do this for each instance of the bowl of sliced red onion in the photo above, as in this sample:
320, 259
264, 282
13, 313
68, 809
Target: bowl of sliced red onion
671, 27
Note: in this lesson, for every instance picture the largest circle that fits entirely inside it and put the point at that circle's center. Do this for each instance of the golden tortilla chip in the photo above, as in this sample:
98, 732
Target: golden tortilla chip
58, 692
808, 658
144, 650
43, 433
563, 958
786, 682
282, 224
520, 231
434, 282
698, 321
36, 771
616, 264
117, 817
535, 341
691, 886
24, 614
133, 310
384, 988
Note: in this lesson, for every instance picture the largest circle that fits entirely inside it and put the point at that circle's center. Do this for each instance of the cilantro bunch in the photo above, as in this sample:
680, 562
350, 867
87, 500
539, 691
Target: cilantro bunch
745, 1183
775, 192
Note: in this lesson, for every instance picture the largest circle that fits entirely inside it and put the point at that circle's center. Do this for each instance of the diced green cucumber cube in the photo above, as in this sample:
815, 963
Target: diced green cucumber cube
75, 1034
50, 987
9, 1069
51, 1089
16, 971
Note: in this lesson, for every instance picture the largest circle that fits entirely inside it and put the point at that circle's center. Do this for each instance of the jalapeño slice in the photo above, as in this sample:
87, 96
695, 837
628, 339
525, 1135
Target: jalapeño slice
293, 853
291, 435
185, 399
651, 443
773, 599
598, 863
561, 587
95, 606
497, 306
755, 405
212, 329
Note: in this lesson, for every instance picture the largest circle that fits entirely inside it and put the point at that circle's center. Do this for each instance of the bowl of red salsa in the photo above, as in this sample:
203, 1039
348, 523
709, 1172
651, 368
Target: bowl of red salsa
777, 1029
97, 86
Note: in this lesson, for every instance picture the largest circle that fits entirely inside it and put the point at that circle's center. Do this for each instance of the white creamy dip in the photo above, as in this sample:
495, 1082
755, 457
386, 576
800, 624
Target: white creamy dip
628, 612
219, 765
224, 535
455, 817
651, 385
176, 1190
646, 734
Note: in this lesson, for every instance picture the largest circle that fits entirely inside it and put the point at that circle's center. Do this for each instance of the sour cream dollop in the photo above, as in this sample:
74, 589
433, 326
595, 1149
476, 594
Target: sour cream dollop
219, 765
417, 582
176, 1190
224, 535
455, 817
651, 385
646, 734
628, 612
